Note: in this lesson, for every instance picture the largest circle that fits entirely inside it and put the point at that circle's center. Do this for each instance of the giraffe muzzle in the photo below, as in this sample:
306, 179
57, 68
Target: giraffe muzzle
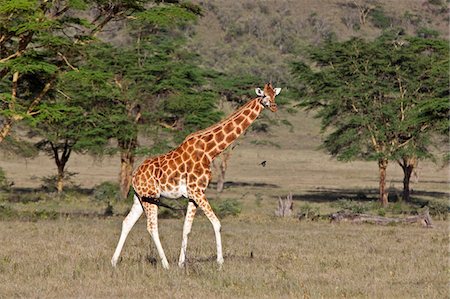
273, 107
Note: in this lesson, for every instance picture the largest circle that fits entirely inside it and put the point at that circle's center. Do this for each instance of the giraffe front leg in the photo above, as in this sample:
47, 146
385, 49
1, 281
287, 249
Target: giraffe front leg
190, 213
152, 226
127, 225
206, 208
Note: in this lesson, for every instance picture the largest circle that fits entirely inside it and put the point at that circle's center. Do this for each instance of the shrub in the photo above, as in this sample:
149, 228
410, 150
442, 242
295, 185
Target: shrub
8, 213
379, 18
438, 209
427, 33
353, 206
106, 192
4, 183
227, 207
308, 212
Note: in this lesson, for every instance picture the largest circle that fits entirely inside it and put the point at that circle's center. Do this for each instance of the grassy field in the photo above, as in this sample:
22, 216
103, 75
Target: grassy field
63, 249
264, 258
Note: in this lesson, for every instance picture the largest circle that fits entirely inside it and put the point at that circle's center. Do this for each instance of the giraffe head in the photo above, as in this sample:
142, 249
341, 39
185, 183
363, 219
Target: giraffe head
268, 96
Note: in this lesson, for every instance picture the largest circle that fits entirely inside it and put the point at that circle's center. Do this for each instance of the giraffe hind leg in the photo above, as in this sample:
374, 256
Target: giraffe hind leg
127, 225
151, 211
190, 213
206, 208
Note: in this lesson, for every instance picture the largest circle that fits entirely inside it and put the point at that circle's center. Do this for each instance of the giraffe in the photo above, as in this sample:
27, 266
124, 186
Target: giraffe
185, 171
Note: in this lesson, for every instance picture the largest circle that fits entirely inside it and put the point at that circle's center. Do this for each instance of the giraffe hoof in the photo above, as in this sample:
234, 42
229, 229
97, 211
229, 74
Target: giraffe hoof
114, 262
165, 264
220, 261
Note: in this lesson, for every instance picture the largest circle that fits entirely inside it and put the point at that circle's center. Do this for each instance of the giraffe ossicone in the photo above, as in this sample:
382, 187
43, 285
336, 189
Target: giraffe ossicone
185, 171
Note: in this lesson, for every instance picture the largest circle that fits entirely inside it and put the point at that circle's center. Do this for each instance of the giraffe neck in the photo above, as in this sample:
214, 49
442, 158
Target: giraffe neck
219, 136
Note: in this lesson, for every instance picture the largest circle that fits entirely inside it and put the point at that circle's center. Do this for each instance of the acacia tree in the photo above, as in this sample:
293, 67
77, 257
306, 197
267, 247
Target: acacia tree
162, 91
77, 117
41, 40
369, 100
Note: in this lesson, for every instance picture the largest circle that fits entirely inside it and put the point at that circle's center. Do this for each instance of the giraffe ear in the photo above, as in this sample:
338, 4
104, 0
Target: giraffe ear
259, 92
277, 91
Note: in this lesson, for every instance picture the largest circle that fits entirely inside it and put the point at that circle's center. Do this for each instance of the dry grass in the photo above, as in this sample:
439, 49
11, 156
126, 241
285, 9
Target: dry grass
70, 257
291, 259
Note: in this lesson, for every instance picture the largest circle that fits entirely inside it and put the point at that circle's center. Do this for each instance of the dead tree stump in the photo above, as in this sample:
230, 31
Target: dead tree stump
423, 219
285, 206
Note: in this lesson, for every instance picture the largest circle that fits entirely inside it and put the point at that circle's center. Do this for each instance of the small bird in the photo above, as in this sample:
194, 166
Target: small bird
263, 163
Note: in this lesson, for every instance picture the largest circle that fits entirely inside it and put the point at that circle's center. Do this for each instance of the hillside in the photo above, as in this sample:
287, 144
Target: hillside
261, 37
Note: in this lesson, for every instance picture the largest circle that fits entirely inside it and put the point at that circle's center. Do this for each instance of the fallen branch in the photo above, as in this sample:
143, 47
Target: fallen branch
424, 219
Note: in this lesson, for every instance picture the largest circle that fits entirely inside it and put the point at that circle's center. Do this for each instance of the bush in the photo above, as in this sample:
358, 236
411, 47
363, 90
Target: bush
353, 206
427, 33
4, 183
227, 207
379, 19
438, 209
106, 192
308, 212
8, 213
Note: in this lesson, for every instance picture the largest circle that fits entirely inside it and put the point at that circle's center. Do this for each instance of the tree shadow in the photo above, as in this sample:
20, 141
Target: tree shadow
229, 184
335, 194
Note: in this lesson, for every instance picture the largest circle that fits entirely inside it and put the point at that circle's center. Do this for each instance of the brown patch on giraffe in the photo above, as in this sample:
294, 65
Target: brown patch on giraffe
246, 123
230, 138
178, 160
228, 128
219, 137
208, 138
185, 156
238, 130
239, 119
253, 115
222, 146
200, 145
189, 165
210, 146
247, 112
198, 155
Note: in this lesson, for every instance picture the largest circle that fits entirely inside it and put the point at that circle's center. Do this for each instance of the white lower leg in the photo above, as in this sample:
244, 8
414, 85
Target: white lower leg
186, 230
127, 224
155, 236
216, 225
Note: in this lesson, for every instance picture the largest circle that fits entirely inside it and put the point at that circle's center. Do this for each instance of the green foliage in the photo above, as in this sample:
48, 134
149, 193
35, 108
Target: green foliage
427, 33
4, 183
226, 207
380, 19
353, 206
439, 210
8, 213
166, 16
309, 212
369, 94
106, 192
14, 146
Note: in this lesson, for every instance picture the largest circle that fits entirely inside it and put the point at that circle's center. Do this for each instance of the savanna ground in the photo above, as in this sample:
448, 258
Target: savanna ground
57, 247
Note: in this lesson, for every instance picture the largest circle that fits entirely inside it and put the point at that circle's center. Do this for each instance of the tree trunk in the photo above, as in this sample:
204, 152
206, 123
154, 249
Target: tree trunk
61, 163
408, 164
126, 172
6, 128
382, 166
221, 170
60, 180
